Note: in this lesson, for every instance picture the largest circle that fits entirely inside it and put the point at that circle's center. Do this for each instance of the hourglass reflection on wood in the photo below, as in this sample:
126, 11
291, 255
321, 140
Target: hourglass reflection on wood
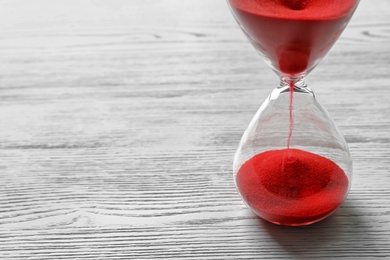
292, 166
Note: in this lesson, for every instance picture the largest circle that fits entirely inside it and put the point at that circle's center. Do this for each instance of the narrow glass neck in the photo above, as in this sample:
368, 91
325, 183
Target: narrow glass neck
285, 87
298, 83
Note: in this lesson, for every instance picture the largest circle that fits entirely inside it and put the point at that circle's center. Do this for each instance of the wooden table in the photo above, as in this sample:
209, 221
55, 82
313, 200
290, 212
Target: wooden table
119, 121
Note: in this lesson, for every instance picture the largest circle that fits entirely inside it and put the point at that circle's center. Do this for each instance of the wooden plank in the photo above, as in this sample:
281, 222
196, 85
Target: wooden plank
119, 122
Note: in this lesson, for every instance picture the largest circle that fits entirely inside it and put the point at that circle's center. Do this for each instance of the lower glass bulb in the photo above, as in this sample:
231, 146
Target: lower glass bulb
292, 166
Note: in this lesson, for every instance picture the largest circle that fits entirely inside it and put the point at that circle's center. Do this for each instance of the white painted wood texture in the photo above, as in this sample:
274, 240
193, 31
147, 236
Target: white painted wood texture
119, 121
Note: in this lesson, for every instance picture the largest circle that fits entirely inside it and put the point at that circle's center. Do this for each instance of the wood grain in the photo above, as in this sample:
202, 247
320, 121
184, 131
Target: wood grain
119, 122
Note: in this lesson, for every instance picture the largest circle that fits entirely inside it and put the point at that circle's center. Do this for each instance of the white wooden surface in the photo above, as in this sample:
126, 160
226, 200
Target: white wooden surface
119, 121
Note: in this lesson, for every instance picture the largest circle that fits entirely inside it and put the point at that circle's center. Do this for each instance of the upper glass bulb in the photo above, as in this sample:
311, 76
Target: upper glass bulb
293, 35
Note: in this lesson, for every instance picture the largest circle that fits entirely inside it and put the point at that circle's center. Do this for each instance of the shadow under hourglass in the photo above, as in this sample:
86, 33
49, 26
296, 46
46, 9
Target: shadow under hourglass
326, 238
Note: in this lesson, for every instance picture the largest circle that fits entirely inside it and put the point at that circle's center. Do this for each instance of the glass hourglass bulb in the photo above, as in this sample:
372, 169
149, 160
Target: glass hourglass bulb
292, 166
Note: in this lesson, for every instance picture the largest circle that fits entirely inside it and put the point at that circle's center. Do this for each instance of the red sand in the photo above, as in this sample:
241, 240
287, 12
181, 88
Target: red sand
291, 186
295, 35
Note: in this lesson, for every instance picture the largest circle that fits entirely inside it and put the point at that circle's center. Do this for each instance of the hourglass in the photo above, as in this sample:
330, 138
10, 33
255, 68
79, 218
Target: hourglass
292, 166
